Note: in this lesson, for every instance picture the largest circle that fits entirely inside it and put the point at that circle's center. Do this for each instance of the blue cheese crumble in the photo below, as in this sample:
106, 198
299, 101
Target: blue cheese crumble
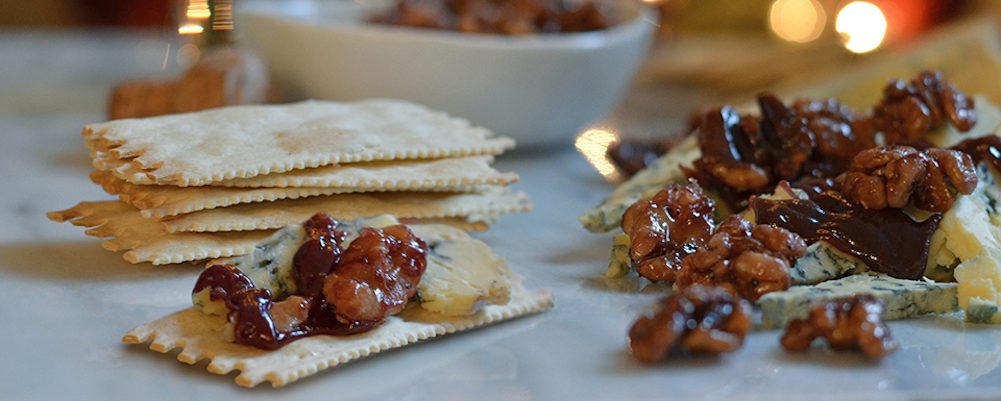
902, 298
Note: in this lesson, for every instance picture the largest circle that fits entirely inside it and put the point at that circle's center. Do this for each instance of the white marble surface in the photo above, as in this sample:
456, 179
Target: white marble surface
67, 302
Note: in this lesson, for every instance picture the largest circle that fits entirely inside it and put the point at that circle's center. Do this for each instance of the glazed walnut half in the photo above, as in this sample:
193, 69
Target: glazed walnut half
891, 176
847, 323
667, 227
703, 320
749, 260
909, 110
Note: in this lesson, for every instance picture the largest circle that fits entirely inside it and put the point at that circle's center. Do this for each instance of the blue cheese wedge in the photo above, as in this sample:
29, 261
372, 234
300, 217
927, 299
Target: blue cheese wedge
902, 298
463, 276
665, 171
966, 229
980, 287
823, 262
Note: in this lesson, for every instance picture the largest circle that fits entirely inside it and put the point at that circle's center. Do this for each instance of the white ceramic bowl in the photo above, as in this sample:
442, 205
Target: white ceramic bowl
538, 89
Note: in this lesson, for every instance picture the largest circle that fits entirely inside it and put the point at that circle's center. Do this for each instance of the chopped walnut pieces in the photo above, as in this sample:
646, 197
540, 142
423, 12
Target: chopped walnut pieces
748, 260
728, 155
666, 227
847, 323
672, 238
891, 176
703, 320
909, 110
746, 155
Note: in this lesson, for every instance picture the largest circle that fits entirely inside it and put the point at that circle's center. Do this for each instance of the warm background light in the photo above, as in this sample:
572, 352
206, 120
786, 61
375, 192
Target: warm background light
198, 10
862, 25
593, 144
798, 21
190, 29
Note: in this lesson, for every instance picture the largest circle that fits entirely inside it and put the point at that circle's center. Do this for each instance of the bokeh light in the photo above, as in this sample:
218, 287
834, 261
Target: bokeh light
862, 25
593, 144
799, 21
190, 29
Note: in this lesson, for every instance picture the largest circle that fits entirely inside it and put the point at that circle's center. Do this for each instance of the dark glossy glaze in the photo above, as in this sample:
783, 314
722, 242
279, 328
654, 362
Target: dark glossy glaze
250, 308
985, 149
887, 240
250, 311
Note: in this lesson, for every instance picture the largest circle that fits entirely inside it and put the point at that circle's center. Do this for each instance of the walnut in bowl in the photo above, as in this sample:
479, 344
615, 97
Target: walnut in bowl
538, 89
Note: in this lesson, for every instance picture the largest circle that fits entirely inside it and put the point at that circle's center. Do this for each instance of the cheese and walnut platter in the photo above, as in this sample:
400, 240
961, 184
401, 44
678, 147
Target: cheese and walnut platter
319, 233
295, 284
830, 222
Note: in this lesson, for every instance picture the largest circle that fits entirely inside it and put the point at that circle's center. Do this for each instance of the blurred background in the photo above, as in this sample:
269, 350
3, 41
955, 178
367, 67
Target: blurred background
725, 46
705, 52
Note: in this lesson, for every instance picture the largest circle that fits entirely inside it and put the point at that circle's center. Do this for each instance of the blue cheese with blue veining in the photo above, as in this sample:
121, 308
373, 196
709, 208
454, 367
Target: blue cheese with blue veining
663, 172
902, 298
980, 287
462, 276
823, 262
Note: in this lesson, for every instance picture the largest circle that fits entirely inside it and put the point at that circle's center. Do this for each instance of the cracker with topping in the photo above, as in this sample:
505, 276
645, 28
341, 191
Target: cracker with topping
461, 285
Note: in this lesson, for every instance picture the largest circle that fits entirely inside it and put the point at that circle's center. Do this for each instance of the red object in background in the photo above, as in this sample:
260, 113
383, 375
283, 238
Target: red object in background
133, 13
909, 18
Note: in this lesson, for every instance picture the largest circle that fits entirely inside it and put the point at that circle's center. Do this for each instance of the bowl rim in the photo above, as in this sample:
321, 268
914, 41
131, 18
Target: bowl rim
641, 22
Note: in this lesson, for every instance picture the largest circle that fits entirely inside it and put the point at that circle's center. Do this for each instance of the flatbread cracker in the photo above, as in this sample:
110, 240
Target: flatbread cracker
477, 206
158, 201
145, 240
247, 141
199, 336
396, 175
419, 175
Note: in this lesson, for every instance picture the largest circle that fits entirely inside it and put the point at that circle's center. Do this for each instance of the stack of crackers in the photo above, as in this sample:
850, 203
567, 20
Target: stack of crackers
213, 184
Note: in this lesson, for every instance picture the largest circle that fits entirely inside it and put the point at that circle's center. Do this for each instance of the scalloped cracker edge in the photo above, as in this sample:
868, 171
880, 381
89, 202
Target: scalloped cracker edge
402, 175
476, 206
446, 175
157, 202
144, 240
199, 336
199, 148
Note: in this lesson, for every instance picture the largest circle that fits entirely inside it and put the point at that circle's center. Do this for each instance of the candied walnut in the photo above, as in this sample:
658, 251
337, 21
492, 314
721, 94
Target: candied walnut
891, 176
745, 155
703, 320
793, 136
666, 227
909, 110
728, 151
318, 255
632, 155
290, 312
748, 260
847, 323
377, 274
